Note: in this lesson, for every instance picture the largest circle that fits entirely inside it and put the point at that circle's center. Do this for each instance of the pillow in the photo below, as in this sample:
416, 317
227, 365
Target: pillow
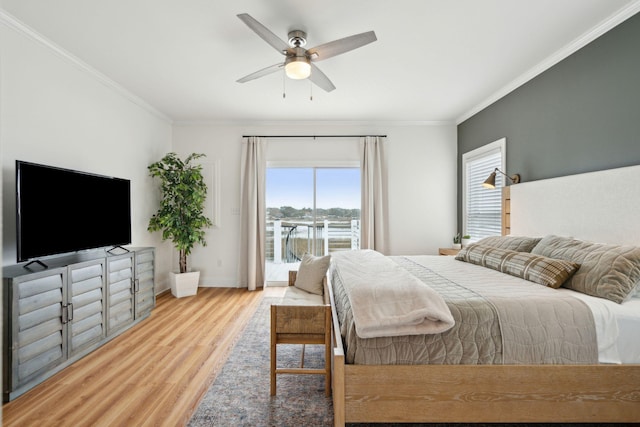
534, 268
513, 243
606, 271
634, 294
486, 256
311, 273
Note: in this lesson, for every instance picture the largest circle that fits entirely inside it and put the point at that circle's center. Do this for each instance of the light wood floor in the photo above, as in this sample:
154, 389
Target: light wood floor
154, 374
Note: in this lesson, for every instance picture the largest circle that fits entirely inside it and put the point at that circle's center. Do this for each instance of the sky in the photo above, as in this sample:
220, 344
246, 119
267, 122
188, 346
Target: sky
337, 187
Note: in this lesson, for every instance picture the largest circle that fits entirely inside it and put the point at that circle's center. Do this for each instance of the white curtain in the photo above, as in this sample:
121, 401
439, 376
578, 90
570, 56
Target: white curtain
374, 215
252, 209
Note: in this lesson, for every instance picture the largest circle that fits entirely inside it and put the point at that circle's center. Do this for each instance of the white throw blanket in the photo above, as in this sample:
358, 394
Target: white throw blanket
387, 300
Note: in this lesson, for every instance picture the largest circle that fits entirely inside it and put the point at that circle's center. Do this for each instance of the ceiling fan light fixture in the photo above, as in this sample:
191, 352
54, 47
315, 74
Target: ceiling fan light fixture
298, 68
297, 63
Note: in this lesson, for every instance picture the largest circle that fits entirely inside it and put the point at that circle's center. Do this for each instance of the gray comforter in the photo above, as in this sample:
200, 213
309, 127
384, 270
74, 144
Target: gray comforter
506, 322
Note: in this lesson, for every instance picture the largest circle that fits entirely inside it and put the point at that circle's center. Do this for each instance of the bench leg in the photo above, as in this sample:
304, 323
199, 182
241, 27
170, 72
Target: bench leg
327, 355
273, 351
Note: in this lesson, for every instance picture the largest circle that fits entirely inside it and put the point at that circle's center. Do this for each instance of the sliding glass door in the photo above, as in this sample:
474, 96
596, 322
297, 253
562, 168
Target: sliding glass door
309, 210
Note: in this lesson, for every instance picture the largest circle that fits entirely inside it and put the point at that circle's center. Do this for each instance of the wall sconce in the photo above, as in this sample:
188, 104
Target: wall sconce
491, 181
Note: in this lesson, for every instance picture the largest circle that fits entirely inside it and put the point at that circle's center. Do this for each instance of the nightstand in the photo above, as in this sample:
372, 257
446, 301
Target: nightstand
448, 251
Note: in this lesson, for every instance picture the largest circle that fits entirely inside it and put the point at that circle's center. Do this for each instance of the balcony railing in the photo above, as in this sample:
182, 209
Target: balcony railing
288, 241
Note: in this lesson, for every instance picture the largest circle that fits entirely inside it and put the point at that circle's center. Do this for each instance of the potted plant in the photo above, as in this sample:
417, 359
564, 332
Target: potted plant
466, 239
181, 214
456, 242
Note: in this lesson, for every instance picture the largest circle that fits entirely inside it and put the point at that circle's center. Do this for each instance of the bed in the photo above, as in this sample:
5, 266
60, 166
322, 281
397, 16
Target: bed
603, 390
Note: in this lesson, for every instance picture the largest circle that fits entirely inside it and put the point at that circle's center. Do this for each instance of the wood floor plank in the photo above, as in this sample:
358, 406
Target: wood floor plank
154, 374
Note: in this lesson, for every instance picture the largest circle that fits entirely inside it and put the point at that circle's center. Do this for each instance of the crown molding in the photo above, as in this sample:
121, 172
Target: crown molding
306, 123
606, 25
15, 24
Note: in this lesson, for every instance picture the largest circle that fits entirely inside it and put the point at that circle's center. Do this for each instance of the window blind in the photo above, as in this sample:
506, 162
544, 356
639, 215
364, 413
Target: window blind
483, 206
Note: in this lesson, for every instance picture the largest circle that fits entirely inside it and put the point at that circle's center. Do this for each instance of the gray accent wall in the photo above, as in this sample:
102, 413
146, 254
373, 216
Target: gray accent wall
581, 115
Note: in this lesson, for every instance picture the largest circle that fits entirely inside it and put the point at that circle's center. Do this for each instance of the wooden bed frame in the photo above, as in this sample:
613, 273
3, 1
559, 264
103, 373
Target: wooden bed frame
485, 393
481, 393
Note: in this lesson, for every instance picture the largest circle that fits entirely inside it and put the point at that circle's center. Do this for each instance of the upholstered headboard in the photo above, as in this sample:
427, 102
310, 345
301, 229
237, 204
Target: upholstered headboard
599, 206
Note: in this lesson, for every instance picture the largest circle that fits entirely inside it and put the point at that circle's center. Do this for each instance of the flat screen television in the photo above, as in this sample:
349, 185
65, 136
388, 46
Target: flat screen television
62, 210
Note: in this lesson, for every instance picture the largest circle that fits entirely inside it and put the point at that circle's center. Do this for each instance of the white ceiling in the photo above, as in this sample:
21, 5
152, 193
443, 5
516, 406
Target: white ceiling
435, 60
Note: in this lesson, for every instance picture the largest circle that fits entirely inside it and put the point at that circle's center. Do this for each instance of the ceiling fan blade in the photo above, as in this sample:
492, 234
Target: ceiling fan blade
320, 79
264, 33
339, 46
261, 73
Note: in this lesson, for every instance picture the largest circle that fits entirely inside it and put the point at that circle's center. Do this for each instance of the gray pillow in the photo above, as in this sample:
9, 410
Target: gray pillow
311, 273
512, 243
606, 271
634, 294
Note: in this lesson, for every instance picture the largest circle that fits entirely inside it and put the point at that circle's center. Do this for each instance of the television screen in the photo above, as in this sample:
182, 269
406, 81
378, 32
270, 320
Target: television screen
62, 210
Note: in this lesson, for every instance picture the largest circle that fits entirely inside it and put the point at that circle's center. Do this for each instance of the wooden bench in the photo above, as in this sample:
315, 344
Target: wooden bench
301, 318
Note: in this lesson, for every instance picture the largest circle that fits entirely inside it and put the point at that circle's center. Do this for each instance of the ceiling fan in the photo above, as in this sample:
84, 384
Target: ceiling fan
299, 62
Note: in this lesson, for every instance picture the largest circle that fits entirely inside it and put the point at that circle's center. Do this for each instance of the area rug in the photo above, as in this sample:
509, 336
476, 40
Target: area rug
240, 395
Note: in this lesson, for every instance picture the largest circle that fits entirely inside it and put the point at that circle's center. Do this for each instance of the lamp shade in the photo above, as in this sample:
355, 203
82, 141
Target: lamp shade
490, 182
298, 68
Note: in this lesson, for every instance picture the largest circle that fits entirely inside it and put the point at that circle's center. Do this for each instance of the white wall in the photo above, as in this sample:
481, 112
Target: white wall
422, 181
55, 112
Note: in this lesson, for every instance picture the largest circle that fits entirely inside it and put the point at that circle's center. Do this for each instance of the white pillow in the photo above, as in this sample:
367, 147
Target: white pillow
311, 273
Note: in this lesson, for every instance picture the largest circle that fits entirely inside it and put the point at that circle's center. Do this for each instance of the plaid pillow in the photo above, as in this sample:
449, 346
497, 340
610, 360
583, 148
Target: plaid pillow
534, 268
513, 243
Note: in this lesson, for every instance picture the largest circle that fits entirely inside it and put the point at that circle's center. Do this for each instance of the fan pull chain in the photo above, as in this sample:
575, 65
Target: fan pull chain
310, 91
284, 85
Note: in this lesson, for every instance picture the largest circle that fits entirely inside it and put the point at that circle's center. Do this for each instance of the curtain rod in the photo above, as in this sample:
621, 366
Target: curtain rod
312, 136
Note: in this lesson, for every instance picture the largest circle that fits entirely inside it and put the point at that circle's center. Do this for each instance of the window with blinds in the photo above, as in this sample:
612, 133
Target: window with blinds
481, 206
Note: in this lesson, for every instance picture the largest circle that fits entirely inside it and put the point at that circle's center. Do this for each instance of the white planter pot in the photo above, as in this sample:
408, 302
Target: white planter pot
456, 246
184, 284
466, 242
